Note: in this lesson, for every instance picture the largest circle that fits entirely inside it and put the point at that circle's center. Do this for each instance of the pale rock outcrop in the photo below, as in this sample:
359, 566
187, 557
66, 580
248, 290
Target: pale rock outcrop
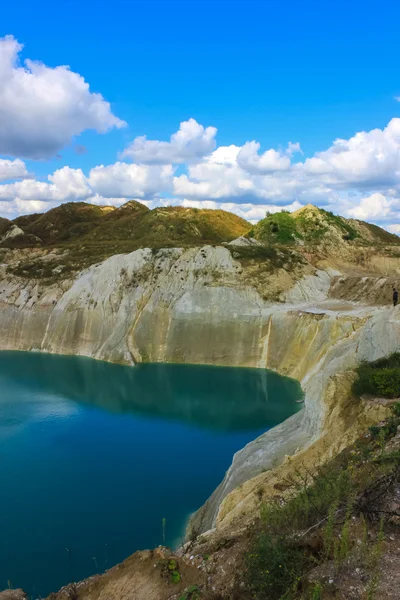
245, 241
312, 288
13, 232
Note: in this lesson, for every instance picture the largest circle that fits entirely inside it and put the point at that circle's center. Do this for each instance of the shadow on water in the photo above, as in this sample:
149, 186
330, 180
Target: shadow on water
218, 398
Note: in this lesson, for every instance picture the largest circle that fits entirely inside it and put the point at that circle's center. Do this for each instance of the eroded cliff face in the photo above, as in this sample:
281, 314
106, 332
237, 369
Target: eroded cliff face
199, 306
193, 306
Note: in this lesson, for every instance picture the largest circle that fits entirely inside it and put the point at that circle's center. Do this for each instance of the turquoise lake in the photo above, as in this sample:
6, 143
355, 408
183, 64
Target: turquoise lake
93, 456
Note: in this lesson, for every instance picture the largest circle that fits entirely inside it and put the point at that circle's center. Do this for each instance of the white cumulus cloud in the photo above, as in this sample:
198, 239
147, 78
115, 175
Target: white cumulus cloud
12, 169
42, 108
63, 185
191, 142
125, 180
368, 159
375, 206
271, 160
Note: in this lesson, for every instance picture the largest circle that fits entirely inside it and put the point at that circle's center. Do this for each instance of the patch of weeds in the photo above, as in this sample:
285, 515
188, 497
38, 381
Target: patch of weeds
316, 592
373, 560
275, 566
171, 571
193, 592
341, 546
313, 495
267, 257
329, 530
380, 434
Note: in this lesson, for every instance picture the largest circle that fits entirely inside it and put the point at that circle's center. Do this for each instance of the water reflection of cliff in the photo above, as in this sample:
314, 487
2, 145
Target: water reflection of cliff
212, 397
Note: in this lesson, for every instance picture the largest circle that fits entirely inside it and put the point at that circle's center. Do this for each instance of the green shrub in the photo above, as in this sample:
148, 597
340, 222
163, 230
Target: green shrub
279, 227
274, 567
379, 378
387, 382
396, 410
175, 577
193, 592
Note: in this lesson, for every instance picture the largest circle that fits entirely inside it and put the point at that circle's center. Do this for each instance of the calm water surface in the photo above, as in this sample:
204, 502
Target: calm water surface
93, 456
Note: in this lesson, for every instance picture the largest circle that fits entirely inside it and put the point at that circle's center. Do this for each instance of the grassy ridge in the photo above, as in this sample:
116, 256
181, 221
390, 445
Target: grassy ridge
131, 226
171, 226
308, 225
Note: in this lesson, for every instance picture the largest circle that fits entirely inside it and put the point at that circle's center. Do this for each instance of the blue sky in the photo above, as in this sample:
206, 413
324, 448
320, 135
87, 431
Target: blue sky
306, 71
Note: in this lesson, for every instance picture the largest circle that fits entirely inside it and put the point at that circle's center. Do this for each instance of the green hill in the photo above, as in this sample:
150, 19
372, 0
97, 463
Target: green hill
129, 227
64, 223
312, 226
170, 226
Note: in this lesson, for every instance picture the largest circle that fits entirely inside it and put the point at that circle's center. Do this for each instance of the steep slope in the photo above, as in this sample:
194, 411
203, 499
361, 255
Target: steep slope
372, 233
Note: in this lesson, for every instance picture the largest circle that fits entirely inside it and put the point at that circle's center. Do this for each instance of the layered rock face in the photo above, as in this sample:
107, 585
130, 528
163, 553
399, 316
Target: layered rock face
198, 306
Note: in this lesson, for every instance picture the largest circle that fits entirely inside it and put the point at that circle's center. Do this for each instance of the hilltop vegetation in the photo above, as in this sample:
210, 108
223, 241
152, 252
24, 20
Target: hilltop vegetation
169, 226
66, 222
312, 225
